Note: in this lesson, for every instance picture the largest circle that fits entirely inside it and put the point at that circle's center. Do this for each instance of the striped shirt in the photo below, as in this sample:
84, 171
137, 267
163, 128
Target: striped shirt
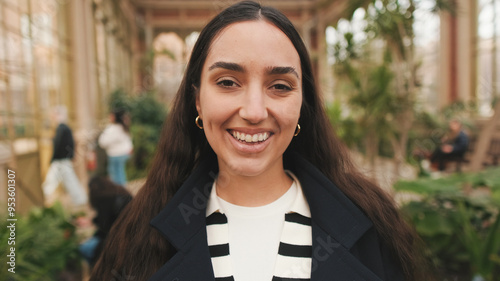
292, 260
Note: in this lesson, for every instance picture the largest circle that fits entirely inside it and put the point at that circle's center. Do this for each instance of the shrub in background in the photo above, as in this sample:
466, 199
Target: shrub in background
46, 246
458, 219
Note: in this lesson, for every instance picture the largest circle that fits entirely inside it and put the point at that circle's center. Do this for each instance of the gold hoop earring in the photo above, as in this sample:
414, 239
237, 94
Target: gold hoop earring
196, 121
297, 131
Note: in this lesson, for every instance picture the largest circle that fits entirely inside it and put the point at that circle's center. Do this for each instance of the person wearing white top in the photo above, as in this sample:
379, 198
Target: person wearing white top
116, 141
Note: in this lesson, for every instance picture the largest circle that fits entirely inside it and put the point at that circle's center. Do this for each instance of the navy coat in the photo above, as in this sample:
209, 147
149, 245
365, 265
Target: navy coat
345, 243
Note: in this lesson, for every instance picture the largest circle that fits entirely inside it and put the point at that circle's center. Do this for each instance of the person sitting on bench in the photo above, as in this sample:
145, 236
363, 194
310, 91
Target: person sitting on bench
453, 147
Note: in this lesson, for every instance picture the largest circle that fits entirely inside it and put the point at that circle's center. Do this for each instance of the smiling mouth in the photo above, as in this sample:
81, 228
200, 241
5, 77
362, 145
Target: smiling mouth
250, 138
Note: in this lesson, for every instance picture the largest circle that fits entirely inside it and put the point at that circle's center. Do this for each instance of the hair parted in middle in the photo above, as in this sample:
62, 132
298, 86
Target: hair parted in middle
182, 145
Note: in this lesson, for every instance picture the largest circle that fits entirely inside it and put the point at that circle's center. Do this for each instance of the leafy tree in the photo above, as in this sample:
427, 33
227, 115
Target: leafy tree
380, 72
372, 100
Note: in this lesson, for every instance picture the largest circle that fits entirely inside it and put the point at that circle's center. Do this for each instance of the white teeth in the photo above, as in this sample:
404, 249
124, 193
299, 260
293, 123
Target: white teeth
250, 138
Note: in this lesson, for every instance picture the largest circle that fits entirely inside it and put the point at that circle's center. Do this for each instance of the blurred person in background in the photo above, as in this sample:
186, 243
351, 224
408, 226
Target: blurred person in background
61, 166
116, 141
108, 200
453, 145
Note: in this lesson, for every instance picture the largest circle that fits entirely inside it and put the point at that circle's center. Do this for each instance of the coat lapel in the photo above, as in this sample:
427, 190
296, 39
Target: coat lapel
337, 224
182, 222
331, 261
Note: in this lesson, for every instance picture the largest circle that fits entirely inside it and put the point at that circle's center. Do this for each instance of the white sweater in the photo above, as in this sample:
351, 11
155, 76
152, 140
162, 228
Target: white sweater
115, 140
260, 243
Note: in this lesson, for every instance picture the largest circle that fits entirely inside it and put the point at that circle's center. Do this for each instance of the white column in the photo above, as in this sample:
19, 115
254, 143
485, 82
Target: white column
466, 53
84, 81
149, 30
325, 78
458, 55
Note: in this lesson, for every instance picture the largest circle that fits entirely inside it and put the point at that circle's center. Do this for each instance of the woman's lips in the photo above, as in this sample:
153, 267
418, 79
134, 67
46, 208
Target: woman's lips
249, 142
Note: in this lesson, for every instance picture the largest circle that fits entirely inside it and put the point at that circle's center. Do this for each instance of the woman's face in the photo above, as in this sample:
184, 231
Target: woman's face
250, 97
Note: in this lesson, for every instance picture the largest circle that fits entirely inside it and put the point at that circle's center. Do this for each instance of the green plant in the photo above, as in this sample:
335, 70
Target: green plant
371, 98
145, 139
376, 66
483, 245
145, 109
436, 222
119, 100
346, 127
455, 183
461, 234
458, 219
45, 245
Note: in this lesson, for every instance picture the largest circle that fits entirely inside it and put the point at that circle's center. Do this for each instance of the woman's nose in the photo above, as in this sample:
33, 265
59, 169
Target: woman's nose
254, 109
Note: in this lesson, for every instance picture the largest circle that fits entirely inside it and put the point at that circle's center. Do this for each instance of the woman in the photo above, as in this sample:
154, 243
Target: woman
116, 140
250, 182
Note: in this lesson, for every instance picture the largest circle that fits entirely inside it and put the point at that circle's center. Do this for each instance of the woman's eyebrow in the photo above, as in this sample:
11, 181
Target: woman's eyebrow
227, 65
273, 70
282, 70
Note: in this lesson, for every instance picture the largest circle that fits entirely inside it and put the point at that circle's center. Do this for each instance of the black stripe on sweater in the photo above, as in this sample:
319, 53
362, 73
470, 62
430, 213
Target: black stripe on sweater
219, 250
298, 251
216, 218
297, 218
275, 278
229, 278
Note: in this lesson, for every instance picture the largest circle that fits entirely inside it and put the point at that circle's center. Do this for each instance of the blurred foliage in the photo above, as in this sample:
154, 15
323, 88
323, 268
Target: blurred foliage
346, 127
147, 117
377, 83
376, 77
45, 246
423, 136
458, 219
119, 101
369, 95
460, 110
455, 183
145, 139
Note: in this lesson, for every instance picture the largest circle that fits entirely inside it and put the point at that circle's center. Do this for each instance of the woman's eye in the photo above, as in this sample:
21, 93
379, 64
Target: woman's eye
226, 83
282, 87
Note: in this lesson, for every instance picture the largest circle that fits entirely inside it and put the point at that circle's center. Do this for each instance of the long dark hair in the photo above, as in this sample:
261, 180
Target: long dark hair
182, 145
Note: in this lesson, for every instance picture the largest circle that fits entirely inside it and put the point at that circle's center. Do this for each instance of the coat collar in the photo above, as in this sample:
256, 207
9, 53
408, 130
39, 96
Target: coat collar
346, 223
182, 223
337, 225
184, 215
